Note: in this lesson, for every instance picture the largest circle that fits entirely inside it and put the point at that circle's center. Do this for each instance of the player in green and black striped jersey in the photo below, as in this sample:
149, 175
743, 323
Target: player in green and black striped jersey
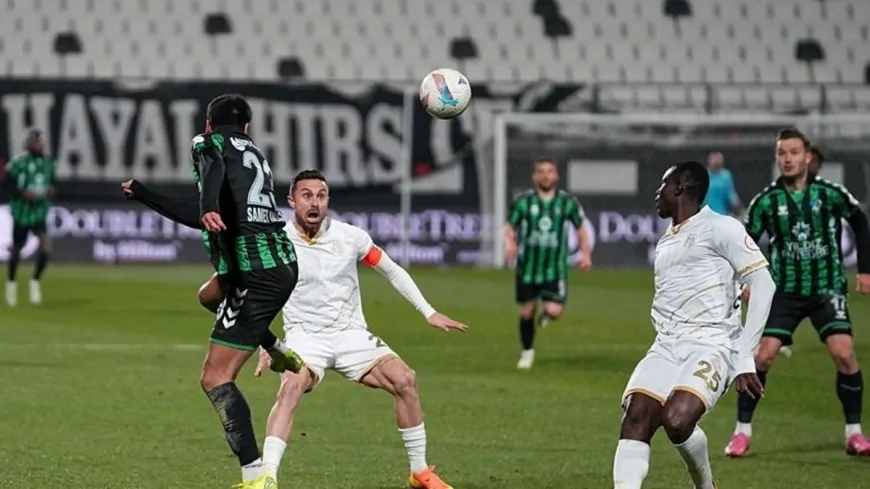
536, 236
802, 215
29, 181
245, 238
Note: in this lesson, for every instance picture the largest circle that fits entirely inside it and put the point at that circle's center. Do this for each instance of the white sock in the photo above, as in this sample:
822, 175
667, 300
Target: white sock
280, 347
273, 452
853, 429
630, 464
694, 453
743, 428
252, 471
415, 444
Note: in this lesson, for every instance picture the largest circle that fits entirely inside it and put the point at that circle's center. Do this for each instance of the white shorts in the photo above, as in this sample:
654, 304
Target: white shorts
703, 369
351, 353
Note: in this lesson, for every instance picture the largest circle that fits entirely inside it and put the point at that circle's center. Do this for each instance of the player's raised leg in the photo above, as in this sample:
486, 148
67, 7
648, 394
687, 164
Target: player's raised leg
389, 373
553, 297
210, 296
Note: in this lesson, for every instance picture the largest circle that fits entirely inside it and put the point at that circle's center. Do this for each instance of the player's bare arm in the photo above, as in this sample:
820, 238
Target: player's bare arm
510, 242
585, 248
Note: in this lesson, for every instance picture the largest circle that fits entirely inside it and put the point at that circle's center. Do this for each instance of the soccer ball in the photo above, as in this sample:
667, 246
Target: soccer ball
445, 93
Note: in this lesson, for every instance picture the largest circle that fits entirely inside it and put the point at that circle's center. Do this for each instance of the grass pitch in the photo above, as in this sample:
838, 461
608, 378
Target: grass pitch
100, 390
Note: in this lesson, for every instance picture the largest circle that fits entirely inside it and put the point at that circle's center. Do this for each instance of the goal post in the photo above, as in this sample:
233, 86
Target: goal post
613, 162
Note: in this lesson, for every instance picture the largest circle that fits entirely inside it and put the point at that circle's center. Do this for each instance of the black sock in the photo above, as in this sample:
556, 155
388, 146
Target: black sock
235, 415
41, 262
269, 340
13, 264
850, 390
746, 404
527, 332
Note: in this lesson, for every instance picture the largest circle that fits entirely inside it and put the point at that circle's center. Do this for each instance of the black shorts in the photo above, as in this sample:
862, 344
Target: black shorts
20, 232
555, 291
829, 314
252, 301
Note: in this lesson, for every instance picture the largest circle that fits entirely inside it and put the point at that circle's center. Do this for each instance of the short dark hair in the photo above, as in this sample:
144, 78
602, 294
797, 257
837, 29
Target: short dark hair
818, 153
307, 175
693, 177
793, 133
229, 109
542, 160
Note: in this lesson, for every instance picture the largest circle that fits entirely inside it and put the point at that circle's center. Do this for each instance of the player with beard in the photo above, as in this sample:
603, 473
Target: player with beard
802, 214
535, 235
324, 322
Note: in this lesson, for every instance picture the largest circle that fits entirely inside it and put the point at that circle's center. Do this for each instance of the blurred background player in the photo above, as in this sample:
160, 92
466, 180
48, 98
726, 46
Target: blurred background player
535, 235
722, 196
802, 214
701, 346
29, 181
324, 322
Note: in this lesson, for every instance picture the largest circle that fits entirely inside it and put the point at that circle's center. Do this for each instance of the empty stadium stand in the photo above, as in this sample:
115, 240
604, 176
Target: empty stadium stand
647, 46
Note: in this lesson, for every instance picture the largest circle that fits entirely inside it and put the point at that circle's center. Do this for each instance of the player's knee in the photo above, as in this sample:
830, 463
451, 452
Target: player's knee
641, 418
404, 382
45, 245
527, 311
209, 379
401, 381
766, 354
293, 386
843, 353
679, 421
554, 310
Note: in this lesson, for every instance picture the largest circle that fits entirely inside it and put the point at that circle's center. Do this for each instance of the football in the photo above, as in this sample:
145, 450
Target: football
445, 93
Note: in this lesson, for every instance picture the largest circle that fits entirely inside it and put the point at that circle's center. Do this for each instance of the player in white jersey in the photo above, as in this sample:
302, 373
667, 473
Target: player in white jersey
324, 322
700, 346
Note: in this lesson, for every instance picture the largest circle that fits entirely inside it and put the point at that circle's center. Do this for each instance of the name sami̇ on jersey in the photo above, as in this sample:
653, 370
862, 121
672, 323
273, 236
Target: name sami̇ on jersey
255, 237
255, 213
804, 228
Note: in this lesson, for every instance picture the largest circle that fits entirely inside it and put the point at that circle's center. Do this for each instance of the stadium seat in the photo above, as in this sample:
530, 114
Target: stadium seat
634, 41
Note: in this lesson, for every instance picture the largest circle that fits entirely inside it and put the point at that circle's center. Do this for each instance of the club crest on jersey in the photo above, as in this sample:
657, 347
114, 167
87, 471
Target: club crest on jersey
534, 210
690, 240
815, 205
782, 210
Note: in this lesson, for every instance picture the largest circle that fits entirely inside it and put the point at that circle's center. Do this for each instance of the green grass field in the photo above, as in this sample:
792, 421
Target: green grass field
100, 390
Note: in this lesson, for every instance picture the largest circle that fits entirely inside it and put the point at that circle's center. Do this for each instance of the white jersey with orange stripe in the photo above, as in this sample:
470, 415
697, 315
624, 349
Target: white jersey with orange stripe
327, 295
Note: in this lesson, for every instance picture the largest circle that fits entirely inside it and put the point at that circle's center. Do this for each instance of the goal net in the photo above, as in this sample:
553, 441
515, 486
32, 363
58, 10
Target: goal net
613, 164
